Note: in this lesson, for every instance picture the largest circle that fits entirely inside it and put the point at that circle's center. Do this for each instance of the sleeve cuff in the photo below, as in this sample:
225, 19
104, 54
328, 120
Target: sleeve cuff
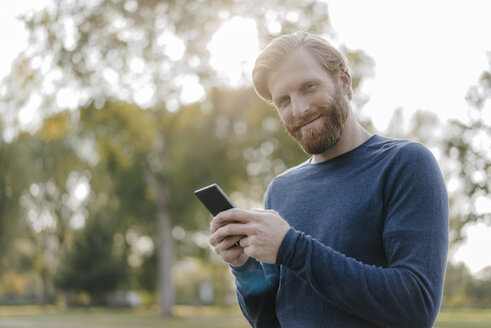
287, 247
250, 279
252, 265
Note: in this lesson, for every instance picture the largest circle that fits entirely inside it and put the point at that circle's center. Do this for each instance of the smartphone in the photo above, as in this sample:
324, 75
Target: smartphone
214, 199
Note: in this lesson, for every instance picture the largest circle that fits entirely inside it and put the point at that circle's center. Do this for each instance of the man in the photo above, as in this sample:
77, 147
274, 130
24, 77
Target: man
357, 236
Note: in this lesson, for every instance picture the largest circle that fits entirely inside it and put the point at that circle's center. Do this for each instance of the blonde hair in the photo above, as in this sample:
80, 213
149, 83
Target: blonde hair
280, 48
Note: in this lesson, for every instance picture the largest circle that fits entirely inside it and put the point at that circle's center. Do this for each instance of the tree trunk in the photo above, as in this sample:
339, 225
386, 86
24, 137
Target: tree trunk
67, 299
165, 242
44, 286
165, 257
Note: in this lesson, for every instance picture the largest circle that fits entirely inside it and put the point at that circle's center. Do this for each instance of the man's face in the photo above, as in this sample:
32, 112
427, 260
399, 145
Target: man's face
310, 102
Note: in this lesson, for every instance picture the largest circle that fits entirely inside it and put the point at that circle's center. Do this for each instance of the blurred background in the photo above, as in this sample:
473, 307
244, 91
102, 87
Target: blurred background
112, 112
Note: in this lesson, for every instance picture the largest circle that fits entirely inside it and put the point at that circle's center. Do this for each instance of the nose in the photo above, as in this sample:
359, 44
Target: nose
299, 105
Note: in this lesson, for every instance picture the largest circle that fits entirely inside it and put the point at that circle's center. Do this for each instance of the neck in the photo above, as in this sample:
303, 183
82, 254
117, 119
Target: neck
353, 136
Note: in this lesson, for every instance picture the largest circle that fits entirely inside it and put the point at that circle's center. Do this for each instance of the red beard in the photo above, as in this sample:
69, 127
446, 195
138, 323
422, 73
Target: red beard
323, 136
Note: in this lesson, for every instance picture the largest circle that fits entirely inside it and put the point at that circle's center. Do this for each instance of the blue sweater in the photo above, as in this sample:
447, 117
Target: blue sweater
367, 245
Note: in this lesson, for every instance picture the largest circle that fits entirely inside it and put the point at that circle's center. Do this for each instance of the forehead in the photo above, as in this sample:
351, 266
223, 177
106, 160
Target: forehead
298, 68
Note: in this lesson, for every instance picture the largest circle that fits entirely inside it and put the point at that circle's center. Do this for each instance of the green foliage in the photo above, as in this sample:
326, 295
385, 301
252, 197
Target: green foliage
145, 276
92, 266
14, 160
122, 136
457, 279
462, 289
467, 145
40, 214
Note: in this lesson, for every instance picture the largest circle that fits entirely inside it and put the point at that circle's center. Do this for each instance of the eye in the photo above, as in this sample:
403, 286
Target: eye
309, 86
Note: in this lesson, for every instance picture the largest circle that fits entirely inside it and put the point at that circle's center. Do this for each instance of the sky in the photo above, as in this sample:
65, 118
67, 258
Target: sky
427, 54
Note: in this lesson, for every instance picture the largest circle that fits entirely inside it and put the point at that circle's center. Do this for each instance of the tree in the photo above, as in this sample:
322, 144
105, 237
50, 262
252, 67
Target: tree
92, 265
45, 205
115, 142
466, 145
462, 289
457, 282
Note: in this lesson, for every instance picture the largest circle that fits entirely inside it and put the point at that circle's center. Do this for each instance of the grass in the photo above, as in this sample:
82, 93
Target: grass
464, 318
184, 317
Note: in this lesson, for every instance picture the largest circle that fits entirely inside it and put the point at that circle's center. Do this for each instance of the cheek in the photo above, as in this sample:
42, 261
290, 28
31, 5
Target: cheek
321, 100
284, 116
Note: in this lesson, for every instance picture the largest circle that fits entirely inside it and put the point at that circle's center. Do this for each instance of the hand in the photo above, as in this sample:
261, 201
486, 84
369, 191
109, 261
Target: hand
230, 250
262, 231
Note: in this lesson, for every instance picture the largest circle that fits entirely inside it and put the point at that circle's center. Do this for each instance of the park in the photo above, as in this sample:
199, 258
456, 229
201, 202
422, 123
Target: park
114, 112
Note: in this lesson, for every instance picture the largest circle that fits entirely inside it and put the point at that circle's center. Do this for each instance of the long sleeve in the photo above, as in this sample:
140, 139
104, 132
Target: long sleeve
407, 291
256, 293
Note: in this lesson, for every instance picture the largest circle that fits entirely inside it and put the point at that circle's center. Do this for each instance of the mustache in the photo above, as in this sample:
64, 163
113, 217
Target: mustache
305, 119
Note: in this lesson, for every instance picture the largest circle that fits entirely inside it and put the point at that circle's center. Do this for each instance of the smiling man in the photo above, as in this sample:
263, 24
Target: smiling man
356, 236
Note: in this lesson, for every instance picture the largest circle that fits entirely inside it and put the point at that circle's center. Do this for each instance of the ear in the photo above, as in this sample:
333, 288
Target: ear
345, 79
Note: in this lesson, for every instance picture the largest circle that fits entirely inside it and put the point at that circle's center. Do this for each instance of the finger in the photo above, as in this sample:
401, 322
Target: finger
224, 232
228, 241
233, 241
214, 226
227, 244
232, 255
244, 242
232, 229
234, 214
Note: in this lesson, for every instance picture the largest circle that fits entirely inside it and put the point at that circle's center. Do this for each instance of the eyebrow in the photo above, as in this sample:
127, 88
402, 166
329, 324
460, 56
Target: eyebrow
300, 86
312, 80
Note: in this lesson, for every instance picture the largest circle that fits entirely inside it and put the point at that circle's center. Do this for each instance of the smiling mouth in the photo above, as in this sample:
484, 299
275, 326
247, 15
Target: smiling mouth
310, 122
